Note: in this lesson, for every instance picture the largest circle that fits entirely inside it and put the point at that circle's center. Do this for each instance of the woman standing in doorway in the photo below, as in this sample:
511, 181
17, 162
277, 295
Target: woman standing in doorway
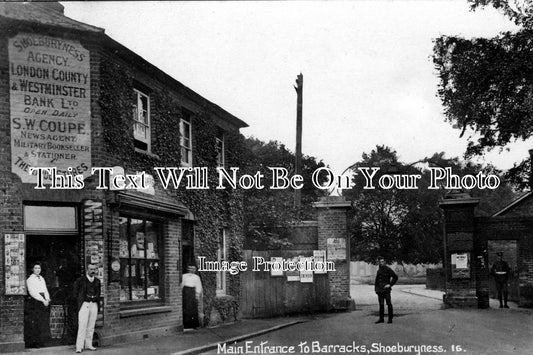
38, 317
192, 292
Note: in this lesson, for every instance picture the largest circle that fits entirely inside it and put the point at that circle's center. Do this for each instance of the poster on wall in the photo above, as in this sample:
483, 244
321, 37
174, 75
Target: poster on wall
274, 271
306, 275
319, 256
460, 263
94, 254
50, 96
336, 248
15, 263
295, 274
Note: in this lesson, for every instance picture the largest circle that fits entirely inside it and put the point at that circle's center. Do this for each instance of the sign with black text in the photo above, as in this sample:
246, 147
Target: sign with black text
50, 97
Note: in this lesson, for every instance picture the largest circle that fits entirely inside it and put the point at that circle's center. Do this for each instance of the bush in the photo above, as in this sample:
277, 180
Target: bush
225, 305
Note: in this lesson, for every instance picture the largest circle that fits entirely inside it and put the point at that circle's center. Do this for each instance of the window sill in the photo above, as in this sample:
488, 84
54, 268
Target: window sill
144, 311
145, 152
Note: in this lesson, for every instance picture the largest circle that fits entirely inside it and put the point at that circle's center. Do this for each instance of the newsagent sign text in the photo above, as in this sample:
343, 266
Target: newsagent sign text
49, 80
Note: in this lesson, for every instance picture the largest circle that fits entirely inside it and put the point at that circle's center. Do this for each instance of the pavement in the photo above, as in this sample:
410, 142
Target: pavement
413, 303
189, 342
420, 290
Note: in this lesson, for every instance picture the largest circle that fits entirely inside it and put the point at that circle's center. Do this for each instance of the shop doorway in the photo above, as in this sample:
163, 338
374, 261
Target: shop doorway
61, 265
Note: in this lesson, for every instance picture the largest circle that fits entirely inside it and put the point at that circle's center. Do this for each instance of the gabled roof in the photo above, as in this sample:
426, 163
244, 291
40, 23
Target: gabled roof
128, 55
513, 204
48, 14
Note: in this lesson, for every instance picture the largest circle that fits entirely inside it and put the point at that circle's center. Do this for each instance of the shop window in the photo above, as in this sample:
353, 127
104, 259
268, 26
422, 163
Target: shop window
221, 256
140, 259
141, 120
186, 139
220, 148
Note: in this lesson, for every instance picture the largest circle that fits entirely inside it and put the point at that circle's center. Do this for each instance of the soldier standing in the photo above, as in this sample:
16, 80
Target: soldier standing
500, 270
385, 279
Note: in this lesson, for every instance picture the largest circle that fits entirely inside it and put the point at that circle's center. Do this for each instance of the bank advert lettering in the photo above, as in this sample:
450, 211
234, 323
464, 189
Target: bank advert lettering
50, 97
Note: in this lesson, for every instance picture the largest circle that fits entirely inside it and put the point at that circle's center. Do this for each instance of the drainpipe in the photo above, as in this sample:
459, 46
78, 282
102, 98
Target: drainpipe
531, 170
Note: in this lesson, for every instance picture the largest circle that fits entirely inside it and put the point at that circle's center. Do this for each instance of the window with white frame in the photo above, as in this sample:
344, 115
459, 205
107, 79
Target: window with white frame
221, 256
220, 148
141, 120
186, 139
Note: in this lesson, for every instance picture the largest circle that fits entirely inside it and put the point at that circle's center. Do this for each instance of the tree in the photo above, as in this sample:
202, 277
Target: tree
490, 201
405, 225
399, 224
269, 211
520, 11
486, 85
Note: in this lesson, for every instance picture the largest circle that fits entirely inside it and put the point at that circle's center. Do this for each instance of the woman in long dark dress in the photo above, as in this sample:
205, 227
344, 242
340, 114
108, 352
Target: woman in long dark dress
38, 312
192, 290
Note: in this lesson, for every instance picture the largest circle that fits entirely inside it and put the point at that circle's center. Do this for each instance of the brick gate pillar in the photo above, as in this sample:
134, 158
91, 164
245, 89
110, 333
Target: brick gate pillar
332, 216
460, 259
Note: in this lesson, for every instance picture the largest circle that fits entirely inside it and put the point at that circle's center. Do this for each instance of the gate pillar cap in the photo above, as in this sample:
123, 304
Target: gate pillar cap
332, 202
456, 198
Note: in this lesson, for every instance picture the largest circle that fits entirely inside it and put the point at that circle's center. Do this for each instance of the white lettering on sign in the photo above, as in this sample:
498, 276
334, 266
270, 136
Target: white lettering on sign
49, 80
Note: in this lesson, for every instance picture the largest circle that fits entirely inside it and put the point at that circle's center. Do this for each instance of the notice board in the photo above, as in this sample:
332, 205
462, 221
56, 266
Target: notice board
15, 263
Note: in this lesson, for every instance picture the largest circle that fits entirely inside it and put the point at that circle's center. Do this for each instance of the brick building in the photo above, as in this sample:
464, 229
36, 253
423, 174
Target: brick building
471, 244
72, 98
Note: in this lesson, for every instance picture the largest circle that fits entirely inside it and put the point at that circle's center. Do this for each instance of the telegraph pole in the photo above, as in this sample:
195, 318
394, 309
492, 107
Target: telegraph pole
299, 87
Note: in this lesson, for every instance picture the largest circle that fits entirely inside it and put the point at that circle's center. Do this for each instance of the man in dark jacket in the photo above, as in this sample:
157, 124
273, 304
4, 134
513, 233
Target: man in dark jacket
87, 292
501, 270
385, 279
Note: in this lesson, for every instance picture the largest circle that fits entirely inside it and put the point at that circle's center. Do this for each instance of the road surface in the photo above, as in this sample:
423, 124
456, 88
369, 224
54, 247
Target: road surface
420, 326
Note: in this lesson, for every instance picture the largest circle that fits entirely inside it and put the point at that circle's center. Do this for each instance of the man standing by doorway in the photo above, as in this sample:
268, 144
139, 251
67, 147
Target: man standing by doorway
500, 270
87, 292
385, 279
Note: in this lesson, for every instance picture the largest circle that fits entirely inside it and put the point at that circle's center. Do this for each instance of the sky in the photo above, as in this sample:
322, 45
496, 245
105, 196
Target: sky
368, 72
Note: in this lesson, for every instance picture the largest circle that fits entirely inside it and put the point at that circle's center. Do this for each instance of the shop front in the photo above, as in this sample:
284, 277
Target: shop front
135, 242
53, 239
143, 266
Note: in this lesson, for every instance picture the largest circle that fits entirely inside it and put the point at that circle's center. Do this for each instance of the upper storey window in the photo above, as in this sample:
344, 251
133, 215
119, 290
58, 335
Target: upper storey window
220, 148
186, 139
141, 120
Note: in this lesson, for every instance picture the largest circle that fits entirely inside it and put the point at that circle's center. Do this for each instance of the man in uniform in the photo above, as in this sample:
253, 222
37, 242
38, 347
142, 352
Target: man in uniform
500, 270
385, 279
